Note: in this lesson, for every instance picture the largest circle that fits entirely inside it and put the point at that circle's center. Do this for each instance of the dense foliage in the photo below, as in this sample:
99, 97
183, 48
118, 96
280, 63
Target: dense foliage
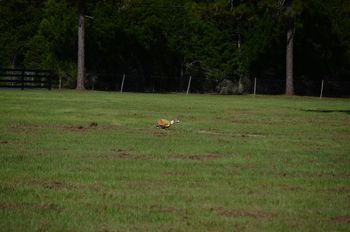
208, 39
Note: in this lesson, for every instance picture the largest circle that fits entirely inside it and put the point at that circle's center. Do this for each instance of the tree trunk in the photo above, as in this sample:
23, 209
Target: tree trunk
81, 48
289, 51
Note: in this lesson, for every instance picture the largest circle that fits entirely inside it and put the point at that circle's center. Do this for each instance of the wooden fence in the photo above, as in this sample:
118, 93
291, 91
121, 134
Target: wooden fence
25, 78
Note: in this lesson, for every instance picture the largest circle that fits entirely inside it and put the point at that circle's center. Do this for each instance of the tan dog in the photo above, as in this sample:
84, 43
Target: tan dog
163, 123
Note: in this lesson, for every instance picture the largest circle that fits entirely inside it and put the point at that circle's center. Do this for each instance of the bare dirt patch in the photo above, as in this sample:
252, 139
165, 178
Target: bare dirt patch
56, 185
73, 128
159, 133
60, 127
20, 144
93, 124
160, 209
25, 126
257, 214
91, 127
53, 185
50, 206
341, 219
120, 155
4, 205
81, 128
317, 174
336, 190
47, 206
218, 133
207, 157
248, 135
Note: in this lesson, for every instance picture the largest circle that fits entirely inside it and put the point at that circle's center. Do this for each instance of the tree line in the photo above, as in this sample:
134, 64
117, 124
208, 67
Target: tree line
214, 41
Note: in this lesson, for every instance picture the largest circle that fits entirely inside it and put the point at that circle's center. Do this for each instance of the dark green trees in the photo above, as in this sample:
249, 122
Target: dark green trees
211, 40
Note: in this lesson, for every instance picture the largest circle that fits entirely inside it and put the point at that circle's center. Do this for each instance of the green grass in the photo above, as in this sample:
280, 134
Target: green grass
234, 163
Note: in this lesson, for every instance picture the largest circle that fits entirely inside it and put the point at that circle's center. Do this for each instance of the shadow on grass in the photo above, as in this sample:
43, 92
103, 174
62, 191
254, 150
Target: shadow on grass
328, 111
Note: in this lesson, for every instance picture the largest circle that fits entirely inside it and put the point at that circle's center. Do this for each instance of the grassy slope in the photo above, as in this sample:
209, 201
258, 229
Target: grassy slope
234, 162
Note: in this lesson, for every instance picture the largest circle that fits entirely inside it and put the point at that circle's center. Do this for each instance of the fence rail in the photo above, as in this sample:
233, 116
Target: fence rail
193, 84
326, 88
25, 78
31, 78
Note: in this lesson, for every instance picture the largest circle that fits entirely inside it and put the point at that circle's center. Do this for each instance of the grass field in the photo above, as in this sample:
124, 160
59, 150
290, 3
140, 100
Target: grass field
94, 161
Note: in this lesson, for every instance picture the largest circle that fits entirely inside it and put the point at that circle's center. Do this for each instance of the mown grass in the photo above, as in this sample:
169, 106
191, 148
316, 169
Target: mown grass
234, 163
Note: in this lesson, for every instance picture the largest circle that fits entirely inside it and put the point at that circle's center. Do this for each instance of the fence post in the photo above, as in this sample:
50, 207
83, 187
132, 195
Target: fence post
121, 89
93, 83
321, 94
189, 85
22, 79
60, 82
254, 86
50, 81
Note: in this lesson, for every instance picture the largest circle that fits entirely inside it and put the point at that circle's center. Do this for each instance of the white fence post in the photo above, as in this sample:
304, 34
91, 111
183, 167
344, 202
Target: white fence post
321, 94
121, 89
254, 86
189, 85
60, 82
